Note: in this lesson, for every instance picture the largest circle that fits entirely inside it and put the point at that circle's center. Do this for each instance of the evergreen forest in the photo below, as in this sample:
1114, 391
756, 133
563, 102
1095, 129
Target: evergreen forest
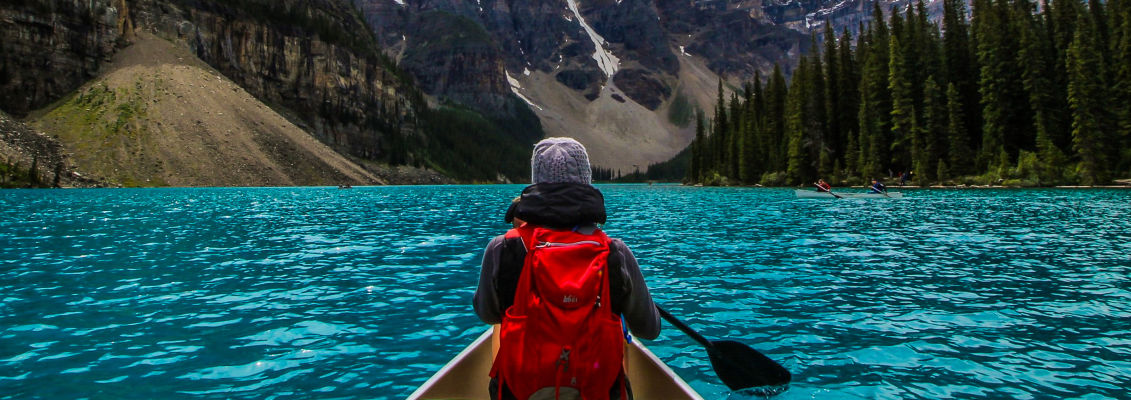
1012, 93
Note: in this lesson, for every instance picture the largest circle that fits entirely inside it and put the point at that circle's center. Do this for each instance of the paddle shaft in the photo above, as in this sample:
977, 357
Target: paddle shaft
683, 327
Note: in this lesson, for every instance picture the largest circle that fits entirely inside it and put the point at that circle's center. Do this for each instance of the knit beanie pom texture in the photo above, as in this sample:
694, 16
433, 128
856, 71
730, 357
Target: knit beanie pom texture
560, 160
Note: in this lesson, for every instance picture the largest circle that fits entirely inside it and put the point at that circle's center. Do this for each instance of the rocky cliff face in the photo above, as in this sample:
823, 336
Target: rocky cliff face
457, 48
452, 56
810, 15
292, 53
565, 38
314, 58
735, 39
49, 47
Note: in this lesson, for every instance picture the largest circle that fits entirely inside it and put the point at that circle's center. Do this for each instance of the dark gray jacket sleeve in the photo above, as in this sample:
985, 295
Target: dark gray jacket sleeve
486, 300
637, 307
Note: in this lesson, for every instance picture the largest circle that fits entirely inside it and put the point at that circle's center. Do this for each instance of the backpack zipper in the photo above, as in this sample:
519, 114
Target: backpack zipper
560, 244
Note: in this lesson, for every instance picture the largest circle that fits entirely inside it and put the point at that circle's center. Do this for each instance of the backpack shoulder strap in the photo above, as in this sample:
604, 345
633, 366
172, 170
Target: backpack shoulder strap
525, 235
525, 232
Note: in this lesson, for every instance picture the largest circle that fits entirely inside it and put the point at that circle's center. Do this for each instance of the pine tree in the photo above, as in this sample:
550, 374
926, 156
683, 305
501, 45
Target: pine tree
1061, 25
1121, 61
1088, 96
776, 119
719, 134
1115, 21
902, 106
848, 103
930, 61
960, 155
930, 41
1053, 161
737, 131
914, 48
959, 67
816, 115
797, 123
833, 133
1102, 29
1064, 14
752, 165
931, 150
1006, 117
1037, 57
875, 98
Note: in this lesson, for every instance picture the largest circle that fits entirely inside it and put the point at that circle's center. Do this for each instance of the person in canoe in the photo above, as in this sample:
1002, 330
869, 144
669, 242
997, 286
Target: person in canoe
560, 287
823, 186
878, 187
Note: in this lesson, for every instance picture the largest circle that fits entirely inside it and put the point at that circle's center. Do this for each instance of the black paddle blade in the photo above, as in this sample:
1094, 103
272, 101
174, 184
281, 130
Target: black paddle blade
741, 367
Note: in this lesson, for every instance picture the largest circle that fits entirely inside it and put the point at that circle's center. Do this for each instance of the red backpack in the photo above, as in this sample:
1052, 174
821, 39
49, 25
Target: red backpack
561, 330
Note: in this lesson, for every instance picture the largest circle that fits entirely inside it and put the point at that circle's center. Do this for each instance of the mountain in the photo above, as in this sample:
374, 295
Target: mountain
459, 87
314, 63
810, 15
623, 76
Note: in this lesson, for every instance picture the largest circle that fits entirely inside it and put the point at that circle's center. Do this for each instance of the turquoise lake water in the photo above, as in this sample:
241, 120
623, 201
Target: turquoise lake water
363, 293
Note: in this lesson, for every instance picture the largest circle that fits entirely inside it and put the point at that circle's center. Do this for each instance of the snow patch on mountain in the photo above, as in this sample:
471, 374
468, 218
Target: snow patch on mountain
818, 17
516, 86
605, 59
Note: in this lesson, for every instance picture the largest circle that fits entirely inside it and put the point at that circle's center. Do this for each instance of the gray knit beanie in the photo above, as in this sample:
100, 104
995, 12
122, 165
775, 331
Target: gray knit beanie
560, 160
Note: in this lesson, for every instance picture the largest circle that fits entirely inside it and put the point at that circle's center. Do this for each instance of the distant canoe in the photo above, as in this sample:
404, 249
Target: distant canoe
813, 194
466, 375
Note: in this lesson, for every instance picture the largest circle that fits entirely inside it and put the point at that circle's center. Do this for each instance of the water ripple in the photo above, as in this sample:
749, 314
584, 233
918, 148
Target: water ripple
326, 293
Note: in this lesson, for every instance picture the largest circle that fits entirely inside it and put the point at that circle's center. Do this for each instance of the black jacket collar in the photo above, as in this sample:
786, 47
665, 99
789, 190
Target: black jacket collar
561, 205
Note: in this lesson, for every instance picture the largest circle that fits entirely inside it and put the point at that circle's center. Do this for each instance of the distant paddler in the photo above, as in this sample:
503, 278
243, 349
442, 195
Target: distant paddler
823, 186
878, 187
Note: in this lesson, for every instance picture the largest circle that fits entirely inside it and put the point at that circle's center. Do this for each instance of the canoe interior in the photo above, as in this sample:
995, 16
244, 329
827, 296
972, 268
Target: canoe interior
466, 376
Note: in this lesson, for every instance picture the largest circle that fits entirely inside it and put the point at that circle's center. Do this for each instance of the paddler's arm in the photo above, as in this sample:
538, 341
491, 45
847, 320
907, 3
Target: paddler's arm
486, 300
632, 298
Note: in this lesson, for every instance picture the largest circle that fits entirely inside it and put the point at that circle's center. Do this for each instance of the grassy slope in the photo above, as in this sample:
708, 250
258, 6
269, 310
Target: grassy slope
161, 117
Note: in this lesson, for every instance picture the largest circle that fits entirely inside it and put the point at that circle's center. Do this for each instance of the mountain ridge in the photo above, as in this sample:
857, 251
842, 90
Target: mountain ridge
299, 58
604, 53
437, 83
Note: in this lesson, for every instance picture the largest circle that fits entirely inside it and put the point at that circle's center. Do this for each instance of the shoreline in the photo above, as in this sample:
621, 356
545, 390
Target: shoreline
397, 176
999, 187
956, 187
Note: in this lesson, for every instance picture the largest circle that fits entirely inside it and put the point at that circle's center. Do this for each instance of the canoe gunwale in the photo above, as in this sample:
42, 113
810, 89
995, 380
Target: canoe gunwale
465, 376
451, 365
